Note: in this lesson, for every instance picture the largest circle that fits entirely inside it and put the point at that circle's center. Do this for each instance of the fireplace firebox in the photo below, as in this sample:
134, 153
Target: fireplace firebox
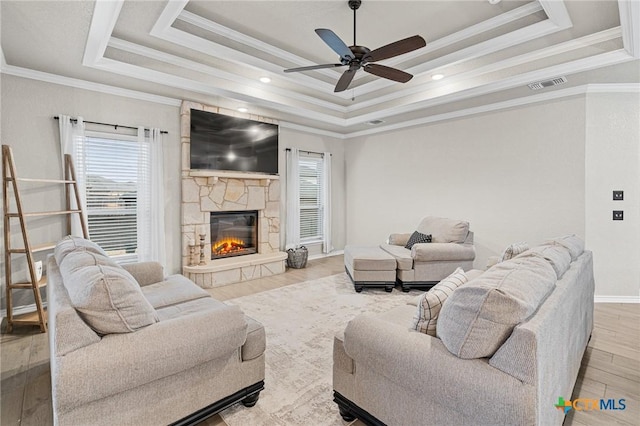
233, 233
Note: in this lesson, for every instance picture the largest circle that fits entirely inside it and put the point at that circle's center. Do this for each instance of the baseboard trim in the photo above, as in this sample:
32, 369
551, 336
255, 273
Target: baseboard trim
21, 310
616, 299
323, 255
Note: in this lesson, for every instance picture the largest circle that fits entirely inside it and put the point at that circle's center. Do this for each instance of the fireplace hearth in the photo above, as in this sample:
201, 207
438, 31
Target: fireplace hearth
233, 233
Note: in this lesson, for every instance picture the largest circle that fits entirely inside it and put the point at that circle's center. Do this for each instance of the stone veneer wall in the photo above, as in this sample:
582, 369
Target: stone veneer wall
203, 195
205, 192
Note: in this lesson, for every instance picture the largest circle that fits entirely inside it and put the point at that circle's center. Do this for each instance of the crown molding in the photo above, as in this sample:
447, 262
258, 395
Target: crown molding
111, 65
117, 91
585, 64
251, 84
221, 30
630, 22
536, 55
87, 85
313, 130
522, 101
105, 16
557, 13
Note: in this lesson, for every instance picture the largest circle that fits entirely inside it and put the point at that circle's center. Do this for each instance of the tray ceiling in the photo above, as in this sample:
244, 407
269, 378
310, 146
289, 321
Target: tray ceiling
216, 51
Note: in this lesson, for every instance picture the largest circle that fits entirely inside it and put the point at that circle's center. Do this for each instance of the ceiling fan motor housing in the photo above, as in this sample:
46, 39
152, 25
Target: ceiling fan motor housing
354, 4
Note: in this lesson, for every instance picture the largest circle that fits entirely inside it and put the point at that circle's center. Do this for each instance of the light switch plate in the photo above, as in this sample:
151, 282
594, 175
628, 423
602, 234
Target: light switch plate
618, 215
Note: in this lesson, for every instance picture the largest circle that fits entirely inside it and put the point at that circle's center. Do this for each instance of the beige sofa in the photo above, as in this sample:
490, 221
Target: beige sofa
509, 342
131, 347
425, 264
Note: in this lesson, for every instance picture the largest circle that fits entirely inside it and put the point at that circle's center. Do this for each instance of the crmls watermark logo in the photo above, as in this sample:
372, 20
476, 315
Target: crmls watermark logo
588, 404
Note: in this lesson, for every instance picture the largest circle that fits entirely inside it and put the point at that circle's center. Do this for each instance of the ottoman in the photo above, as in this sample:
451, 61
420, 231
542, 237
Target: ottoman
370, 267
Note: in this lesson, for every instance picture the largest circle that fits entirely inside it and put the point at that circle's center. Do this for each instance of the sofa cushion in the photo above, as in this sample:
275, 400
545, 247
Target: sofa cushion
557, 256
402, 255
106, 296
70, 244
513, 250
417, 237
444, 230
426, 314
174, 290
571, 242
480, 315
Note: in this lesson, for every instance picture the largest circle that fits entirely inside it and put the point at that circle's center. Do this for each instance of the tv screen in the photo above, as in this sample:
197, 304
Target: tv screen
222, 142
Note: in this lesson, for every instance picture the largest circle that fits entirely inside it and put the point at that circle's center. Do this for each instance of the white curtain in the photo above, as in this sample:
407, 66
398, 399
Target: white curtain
150, 223
326, 197
292, 237
71, 138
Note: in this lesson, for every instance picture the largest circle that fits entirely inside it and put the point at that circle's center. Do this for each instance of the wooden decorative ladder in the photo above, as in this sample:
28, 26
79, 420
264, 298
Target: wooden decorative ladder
10, 180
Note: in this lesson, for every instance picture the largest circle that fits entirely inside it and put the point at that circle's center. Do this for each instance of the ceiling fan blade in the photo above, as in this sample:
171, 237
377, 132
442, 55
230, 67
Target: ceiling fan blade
388, 72
335, 43
397, 48
345, 80
314, 67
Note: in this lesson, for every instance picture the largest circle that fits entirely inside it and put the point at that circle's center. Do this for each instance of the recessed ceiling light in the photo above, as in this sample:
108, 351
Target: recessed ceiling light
265, 79
437, 76
242, 109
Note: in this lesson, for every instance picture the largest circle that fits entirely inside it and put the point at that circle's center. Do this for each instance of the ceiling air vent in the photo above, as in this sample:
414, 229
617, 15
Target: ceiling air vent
374, 122
547, 83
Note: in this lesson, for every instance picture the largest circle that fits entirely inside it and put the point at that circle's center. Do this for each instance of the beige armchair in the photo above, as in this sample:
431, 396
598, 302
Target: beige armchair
425, 264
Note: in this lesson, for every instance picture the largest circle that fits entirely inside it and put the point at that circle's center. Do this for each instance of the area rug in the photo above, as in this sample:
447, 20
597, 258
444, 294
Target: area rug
300, 322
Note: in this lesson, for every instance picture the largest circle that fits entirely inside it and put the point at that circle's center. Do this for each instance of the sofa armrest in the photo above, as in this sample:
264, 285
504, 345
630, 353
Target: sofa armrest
427, 252
399, 239
399, 354
120, 362
145, 272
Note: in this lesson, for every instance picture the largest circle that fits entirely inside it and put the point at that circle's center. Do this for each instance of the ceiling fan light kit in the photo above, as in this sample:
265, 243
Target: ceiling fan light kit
357, 57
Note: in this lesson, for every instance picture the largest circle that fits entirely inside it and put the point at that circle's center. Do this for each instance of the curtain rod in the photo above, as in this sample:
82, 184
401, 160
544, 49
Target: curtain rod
164, 132
308, 152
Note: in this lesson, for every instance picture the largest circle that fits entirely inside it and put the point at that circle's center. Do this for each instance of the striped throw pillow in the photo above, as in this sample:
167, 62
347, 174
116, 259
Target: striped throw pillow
513, 250
429, 305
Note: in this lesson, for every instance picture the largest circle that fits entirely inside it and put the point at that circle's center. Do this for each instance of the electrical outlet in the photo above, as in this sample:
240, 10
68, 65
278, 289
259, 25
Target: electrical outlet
618, 215
618, 195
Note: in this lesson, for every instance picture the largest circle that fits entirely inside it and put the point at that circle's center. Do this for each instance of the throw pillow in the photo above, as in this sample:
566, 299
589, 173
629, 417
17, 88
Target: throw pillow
106, 296
480, 315
417, 237
430, 303
513, 250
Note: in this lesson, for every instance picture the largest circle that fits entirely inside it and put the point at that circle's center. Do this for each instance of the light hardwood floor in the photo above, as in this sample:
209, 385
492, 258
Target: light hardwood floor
610, 368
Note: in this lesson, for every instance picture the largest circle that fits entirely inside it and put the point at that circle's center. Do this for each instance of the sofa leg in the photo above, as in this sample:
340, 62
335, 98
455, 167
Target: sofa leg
388, 288
346, 414
406, 288
251, 400
359, 288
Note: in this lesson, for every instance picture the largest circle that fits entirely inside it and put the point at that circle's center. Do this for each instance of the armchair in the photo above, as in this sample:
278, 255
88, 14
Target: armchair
425, 264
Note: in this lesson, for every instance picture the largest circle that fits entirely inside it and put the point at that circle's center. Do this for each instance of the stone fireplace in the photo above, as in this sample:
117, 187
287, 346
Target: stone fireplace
210, 200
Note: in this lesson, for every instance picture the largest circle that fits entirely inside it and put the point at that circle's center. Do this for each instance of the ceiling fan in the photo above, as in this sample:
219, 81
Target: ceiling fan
356, 57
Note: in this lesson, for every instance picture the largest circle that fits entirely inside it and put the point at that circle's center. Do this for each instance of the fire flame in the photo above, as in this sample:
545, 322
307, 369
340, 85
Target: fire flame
227, 245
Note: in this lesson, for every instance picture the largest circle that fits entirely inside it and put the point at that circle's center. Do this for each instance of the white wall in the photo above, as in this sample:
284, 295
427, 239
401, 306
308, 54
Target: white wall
613, 163
515, 175
28, 108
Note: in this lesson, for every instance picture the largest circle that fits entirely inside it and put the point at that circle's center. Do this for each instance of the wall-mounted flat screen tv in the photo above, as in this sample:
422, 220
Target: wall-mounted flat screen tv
222, 142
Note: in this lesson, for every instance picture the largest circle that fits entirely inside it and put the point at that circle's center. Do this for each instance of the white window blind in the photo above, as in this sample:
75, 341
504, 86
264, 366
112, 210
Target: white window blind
116, 171
311, 194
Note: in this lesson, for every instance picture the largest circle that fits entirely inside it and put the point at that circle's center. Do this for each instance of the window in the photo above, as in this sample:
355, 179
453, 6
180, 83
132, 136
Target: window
310, 169
115, 170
